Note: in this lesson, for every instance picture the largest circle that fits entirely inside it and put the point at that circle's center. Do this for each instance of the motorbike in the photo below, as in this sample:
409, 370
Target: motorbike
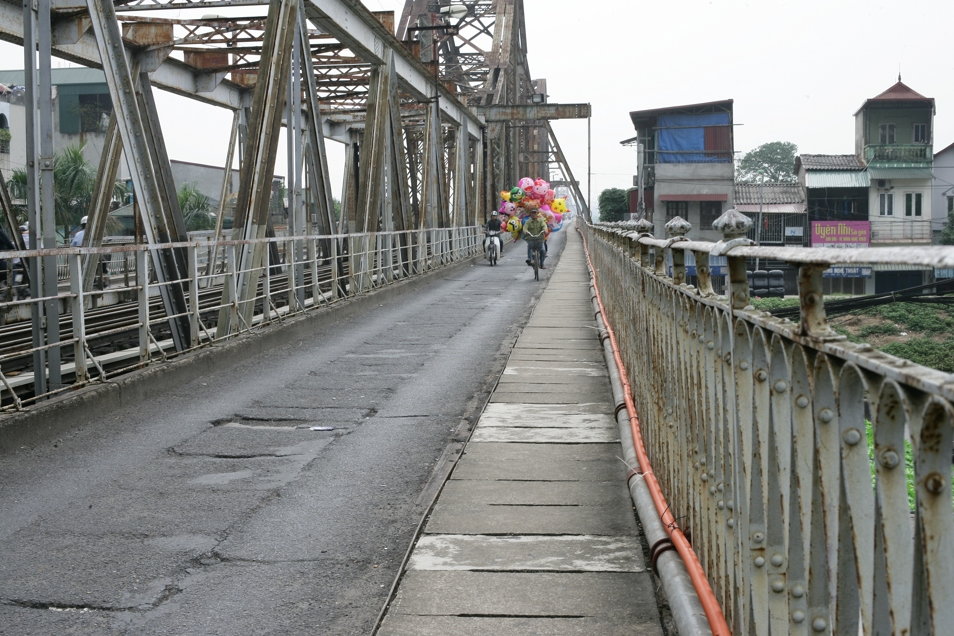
492, 245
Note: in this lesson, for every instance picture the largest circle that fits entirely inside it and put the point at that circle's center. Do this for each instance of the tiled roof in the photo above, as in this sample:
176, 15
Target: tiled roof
899, 91
772, 194
828, 162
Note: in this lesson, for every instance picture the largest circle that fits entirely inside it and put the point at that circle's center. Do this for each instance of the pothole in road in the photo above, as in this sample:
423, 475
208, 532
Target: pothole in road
286, 424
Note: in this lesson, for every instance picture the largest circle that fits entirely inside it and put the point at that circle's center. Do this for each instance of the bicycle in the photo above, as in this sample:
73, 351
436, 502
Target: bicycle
536, 245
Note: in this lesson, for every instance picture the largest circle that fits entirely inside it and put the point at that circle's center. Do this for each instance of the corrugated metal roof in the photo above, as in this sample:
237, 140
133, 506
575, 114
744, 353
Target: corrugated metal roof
770, 193
839, 179
60, 76
773, 208
900, 173
828, 162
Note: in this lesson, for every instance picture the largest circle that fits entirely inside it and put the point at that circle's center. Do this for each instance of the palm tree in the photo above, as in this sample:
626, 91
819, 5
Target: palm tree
196, 208
74, 178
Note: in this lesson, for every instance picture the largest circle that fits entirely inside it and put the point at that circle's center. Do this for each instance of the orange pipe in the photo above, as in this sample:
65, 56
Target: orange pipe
697, 573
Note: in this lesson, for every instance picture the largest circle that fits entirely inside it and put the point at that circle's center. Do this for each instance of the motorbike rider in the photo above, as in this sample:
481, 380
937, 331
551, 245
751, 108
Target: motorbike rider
494, 225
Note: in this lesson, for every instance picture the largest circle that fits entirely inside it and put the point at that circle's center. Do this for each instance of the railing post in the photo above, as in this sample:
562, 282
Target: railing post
644, 228
677, 229
813, 320
703, 277
734, 225
193, 294
79, 323
142, 277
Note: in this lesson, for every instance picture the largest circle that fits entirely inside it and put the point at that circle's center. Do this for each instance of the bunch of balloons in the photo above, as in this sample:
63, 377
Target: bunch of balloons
529, 194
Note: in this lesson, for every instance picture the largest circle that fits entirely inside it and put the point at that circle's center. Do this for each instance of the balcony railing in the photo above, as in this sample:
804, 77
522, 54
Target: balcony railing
900, 230
899, 153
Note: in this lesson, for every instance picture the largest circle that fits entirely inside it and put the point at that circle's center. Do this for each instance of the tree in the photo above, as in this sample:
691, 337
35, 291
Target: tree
947, 234
196, 208
774, 160
74, 178
614, 203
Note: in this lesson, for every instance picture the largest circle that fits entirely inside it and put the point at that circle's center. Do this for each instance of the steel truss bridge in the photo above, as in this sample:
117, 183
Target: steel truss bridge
781, 448
437, 113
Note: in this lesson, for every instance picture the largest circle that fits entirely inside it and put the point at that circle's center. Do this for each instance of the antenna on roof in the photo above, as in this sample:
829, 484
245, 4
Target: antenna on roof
899, 71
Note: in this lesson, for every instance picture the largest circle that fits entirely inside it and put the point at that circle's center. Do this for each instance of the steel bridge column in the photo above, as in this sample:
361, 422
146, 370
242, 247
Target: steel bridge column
258, 165
136, 117
100, 203
296, 210
46, 328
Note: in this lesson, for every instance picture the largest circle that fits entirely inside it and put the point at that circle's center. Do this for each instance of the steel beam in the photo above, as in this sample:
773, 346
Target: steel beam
98, 210
138, 126
258, 165
533, 112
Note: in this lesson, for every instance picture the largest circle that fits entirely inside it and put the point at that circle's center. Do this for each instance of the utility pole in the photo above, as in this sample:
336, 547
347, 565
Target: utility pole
758, 227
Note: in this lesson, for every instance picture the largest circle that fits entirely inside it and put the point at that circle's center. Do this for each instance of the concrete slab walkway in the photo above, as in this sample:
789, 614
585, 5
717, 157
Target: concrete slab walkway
534, 532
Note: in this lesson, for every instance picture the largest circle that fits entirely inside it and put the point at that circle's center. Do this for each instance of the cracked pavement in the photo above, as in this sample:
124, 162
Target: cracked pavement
215, 509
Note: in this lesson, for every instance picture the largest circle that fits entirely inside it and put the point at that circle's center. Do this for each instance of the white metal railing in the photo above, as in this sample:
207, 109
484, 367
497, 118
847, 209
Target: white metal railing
120, 326
780, 445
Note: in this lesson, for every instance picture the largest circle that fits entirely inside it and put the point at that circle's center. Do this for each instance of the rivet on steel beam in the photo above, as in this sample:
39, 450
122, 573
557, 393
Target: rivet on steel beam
778, 560
761, 375
798, 616
889, 458
730, 523
744, 365
759, 562
798, 591
730, 505
710, 345
819, 624
758, 537
720, 504
934, 483
720, 487
778, 586
801, 401
852, 436
711, 490
704, 477
826, 415
703, 461
781, 386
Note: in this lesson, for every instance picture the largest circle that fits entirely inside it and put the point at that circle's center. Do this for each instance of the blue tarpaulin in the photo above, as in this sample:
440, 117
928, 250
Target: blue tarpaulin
679, 135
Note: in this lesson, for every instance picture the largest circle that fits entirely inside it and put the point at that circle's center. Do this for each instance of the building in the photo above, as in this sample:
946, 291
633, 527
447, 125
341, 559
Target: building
688, 167
893, 137
81, 109
942, 190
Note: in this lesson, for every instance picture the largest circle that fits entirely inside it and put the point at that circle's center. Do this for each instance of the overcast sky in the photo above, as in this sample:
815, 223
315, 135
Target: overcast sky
796, 70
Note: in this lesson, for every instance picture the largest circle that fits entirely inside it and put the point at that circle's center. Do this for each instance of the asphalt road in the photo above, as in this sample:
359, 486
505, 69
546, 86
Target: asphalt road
216, 509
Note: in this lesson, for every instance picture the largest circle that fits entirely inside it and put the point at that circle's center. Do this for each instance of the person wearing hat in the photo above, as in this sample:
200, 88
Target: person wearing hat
77, 240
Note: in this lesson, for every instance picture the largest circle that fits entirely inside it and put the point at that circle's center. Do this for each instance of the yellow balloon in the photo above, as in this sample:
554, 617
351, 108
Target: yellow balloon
505, 195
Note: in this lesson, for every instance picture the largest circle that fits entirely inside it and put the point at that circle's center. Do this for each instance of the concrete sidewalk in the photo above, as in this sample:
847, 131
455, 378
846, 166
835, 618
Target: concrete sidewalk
534, 532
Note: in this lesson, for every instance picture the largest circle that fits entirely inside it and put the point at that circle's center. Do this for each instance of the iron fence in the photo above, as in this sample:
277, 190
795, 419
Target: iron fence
120, 324
813, 475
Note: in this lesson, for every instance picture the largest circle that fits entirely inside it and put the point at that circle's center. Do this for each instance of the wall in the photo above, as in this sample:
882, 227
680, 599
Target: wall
692, 178
943, 188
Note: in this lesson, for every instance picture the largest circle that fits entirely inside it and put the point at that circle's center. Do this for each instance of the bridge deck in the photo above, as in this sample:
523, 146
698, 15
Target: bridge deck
534, 531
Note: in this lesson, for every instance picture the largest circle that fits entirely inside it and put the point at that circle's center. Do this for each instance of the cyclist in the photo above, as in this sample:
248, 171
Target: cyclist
494, 227
534, 233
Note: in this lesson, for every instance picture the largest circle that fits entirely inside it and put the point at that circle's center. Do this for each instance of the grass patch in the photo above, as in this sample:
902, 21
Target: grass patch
921, 317
926, 352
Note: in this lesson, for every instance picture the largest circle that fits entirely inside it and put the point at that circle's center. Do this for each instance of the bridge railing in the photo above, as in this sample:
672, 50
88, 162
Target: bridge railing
110, 329
813, 475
